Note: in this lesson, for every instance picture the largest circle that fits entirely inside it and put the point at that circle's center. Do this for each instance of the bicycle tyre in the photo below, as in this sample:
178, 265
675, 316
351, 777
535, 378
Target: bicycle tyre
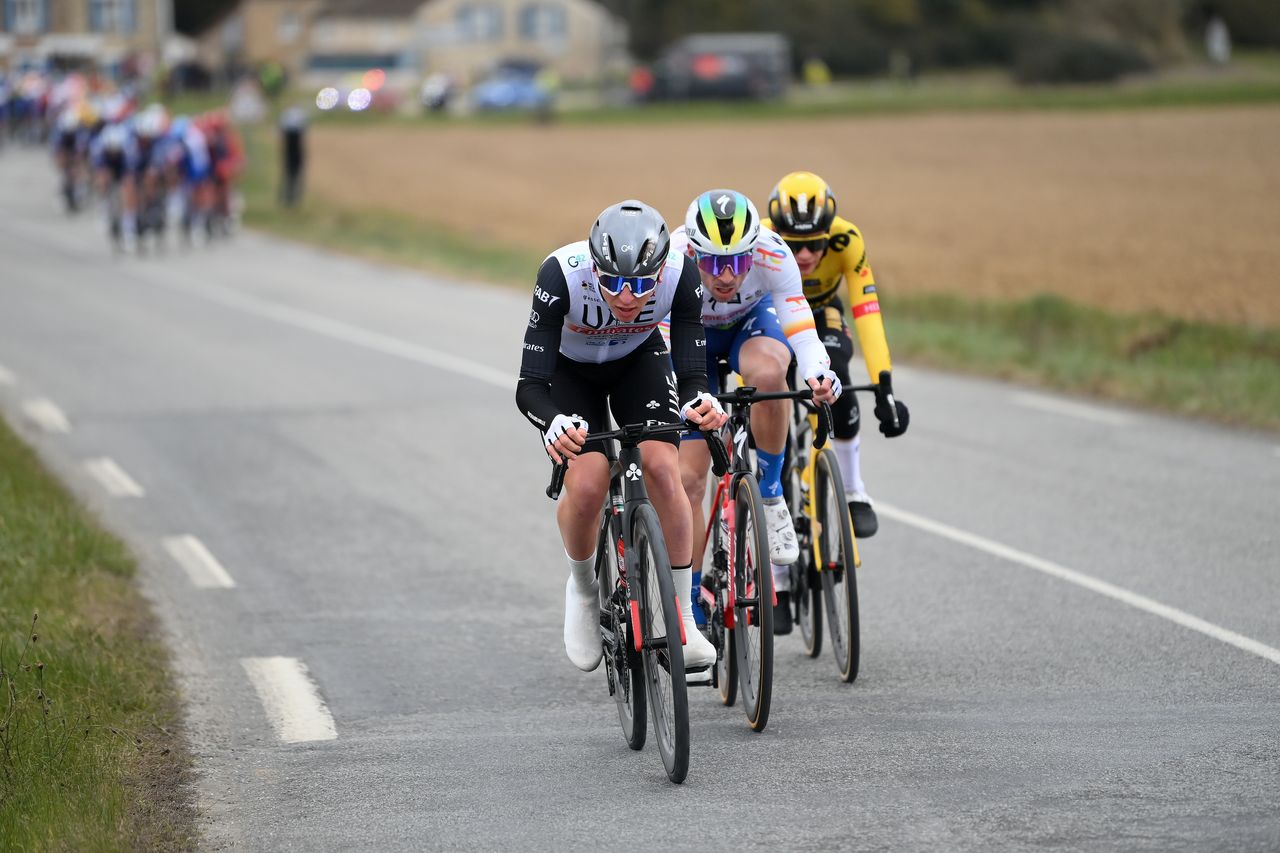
623, 665
663, 652
839, 564
806, 589
753, 625
726, 662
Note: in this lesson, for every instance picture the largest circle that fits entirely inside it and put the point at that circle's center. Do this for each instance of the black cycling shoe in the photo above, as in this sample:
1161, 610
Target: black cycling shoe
865, 523
782, 613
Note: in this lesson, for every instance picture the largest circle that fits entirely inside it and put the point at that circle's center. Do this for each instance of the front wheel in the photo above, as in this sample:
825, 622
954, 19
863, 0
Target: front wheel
752, 580
838, 560
623, 666
663, 646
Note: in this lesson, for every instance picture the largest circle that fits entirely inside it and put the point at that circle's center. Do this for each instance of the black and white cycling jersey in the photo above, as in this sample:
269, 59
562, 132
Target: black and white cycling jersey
570, 319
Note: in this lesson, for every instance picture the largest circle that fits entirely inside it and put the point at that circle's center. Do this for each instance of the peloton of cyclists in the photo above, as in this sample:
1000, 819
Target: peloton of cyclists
829, 250
592, 346
756, 316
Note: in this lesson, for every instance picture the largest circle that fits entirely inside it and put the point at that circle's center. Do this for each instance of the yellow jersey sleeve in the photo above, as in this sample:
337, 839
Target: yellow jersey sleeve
849, 248
846, 260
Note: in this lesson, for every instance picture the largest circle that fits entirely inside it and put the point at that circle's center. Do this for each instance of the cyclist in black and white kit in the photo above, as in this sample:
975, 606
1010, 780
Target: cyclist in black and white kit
593, 346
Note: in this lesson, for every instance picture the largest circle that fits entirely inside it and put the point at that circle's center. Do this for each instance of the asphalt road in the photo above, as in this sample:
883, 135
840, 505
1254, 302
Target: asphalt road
341, 438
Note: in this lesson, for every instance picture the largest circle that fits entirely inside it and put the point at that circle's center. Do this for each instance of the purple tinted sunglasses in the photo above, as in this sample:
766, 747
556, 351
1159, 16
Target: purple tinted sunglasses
713, 265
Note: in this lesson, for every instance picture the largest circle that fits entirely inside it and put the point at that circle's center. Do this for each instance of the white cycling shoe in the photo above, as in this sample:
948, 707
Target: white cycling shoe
783, 547
698, 651
582, 625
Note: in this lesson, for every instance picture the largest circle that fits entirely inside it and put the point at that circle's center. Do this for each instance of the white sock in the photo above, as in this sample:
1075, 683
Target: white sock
850, 469
781, 578
583, 571
683, 579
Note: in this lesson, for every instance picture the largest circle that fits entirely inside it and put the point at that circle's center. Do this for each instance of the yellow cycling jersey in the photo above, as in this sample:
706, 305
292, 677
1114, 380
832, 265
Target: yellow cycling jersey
846, 259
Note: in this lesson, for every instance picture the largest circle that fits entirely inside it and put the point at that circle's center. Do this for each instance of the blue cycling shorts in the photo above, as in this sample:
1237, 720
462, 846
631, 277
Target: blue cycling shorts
727, 343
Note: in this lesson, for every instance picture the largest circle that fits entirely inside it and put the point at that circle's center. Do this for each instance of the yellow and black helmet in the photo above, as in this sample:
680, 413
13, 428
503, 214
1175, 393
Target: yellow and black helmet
802, 205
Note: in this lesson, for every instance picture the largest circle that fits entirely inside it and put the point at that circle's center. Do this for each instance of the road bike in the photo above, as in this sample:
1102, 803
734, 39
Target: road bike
824, 580
640, 625
737, 594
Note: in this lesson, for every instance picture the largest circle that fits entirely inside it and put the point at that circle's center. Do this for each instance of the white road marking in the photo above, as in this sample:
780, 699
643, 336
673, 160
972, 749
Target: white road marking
1073, 410
291, 699
352, 334
113, 478
1101, 587
6, 376
46, 415
201, 567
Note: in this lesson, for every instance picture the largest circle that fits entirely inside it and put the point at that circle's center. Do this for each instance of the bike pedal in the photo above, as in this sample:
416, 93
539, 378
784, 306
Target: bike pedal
698, 676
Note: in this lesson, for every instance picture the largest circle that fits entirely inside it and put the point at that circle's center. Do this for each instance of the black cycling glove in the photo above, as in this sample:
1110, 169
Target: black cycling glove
891, 413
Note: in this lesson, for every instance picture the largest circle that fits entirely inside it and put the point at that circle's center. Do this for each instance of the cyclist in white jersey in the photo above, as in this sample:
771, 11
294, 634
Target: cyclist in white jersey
593, 346
756, 315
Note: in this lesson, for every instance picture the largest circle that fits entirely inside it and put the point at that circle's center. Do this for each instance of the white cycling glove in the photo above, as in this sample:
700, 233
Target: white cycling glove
697, 401
827, 374
561, 424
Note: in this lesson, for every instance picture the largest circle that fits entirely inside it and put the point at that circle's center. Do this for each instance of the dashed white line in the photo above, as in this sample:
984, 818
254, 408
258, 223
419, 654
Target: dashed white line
1073, 410
113, 478
1092, 584
201, 567
46, 415
6, 376
291, 699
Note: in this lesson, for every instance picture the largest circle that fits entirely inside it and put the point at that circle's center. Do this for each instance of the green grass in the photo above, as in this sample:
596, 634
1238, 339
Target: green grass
88, 755
1220, 373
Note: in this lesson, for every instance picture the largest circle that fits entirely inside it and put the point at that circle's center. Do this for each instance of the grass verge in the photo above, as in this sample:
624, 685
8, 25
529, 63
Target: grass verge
1220, 373
89, 755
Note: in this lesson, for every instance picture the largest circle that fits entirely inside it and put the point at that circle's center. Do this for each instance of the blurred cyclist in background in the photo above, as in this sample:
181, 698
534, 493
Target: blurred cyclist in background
150, 127
113, 157
830, 250
755, 315
226, 160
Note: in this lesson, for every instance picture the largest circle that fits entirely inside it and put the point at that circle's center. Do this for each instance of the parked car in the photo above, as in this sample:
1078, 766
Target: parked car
512, 85
719, 65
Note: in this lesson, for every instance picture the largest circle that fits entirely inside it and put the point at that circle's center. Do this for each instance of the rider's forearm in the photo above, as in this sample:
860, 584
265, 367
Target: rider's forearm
533, 397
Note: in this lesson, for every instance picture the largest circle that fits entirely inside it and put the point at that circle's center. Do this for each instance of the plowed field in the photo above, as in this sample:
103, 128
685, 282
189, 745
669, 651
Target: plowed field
1177, 210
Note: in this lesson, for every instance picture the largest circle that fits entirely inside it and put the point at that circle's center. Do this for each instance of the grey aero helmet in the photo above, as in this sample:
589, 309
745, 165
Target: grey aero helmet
629, 239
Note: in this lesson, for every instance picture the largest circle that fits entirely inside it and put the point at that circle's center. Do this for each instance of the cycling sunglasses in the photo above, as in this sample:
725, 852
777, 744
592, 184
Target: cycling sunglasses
639, 284
817, 245
713, 265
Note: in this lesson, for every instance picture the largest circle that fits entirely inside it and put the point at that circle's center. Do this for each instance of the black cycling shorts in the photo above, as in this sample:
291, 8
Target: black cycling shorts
637, 388
833, 331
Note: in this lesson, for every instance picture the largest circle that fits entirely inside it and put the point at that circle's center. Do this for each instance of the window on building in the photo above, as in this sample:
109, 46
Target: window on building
542, 21
112, 16
480, 22
27, 17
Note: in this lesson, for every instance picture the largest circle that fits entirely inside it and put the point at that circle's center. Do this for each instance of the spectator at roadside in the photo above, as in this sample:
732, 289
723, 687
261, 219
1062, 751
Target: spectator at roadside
293, 127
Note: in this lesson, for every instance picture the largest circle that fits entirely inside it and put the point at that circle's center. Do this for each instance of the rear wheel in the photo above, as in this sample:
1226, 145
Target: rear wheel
806, 592
838, 565
622, 662
752, 580
663, 647
806, 588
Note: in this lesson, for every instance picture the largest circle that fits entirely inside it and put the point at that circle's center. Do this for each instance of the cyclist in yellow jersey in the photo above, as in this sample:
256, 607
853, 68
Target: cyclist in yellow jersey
830, 251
